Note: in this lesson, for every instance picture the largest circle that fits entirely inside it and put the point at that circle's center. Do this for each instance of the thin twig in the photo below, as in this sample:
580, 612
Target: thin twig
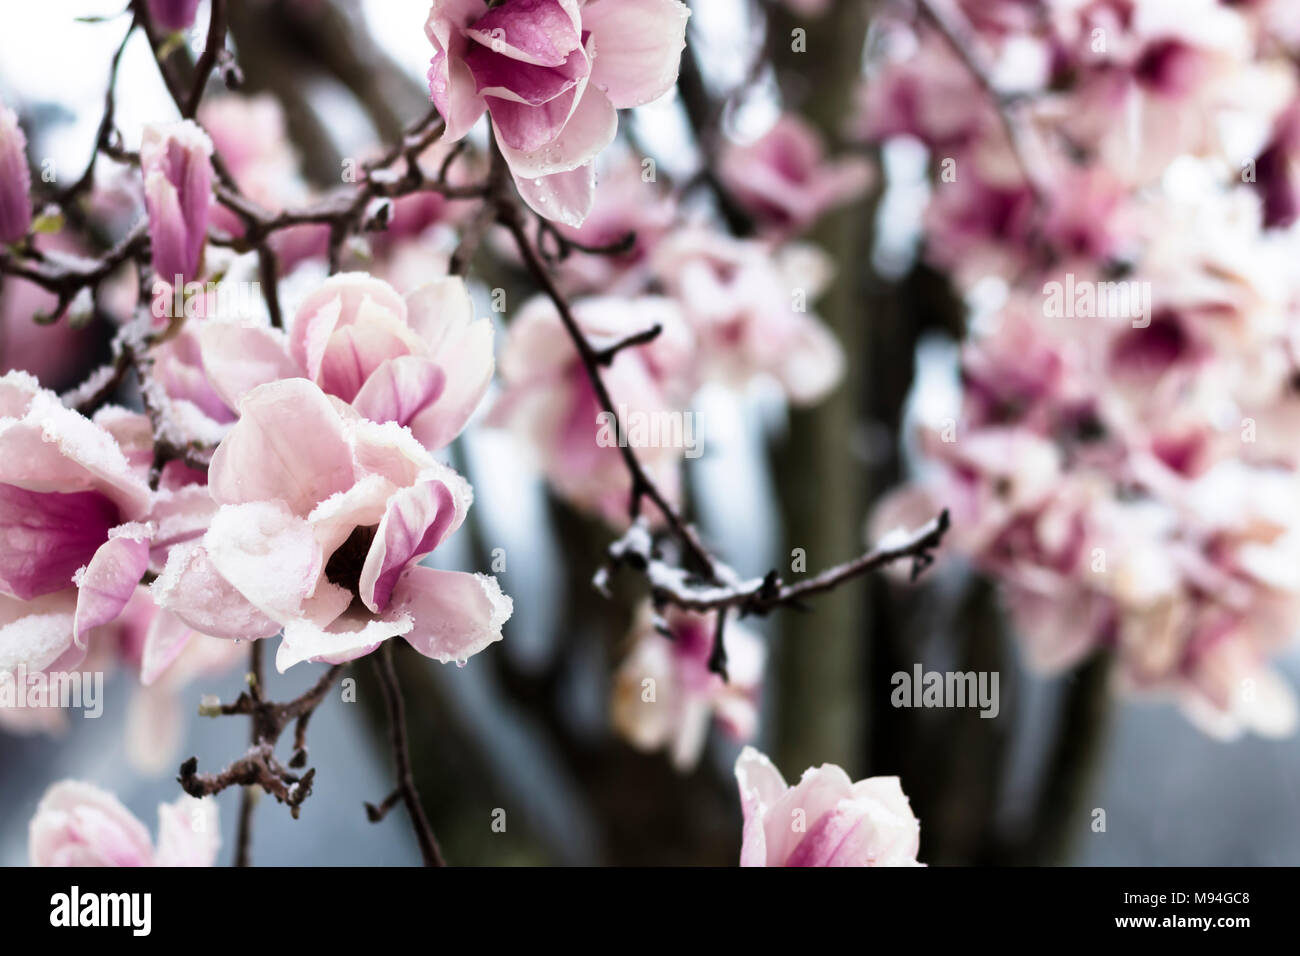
402, 757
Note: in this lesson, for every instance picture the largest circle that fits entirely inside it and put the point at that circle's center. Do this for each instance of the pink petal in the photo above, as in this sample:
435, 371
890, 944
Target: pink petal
191, 588
561, 197
817, 793
590, 129
288, 444
400, 389
189, 832
761, 786
268, 554
442, 314
451, 85
237, 358
455, 614
178, 515
538, 32
340, 301
875, 828
46, 537
639, 47
166, 638
416, 521
37, 634
110, 579
355, 352
351, 636
361, 506
500, 79
77, 824
53, 448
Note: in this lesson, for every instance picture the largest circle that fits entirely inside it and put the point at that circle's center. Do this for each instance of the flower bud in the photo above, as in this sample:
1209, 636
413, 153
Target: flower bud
15, 179
176, 161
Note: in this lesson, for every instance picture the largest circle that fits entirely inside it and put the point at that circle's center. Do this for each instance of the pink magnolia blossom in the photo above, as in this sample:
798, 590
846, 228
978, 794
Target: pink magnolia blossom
78, 824
15, 179
750, 310
825, 819
549, 401
323, 519
71, 507
785, 179
176, 162
422, 361
665, 694
552, 73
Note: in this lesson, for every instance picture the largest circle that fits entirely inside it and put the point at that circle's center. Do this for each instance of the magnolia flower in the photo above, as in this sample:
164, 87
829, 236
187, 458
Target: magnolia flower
823, 820
549, 401
665, 694
749, 310
15, 179
78, 824
73, 542
422, 361
785, 178
324, 517
552, 74
176, 162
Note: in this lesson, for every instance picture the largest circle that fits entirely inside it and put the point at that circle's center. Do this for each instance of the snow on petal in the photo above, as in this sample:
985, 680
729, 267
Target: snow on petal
106, 584
455, 614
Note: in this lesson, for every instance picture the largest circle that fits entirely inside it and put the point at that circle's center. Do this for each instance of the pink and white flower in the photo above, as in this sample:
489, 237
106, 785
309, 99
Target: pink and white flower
176, 162
423, 361
73, 542
549, 401
552, 74
750, 311
323, 519
785, 178
665, 695
78, 824
825, 819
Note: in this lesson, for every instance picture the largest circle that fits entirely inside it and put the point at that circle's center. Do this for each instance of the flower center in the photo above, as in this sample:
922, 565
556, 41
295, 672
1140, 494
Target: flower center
345, 564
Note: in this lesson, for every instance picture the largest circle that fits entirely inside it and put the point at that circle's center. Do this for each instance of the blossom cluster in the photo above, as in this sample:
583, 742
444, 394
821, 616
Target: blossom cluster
284, 475
1118, 210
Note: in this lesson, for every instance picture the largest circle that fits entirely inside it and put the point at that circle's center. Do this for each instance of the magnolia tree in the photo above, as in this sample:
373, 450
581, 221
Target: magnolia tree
244, 370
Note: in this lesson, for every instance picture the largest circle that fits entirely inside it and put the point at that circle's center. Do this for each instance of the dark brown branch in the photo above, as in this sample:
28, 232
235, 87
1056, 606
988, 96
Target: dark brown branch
760, 596
643, 486
248, 797
606, 356
259, 764
402, 758
104, 137
215, 43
